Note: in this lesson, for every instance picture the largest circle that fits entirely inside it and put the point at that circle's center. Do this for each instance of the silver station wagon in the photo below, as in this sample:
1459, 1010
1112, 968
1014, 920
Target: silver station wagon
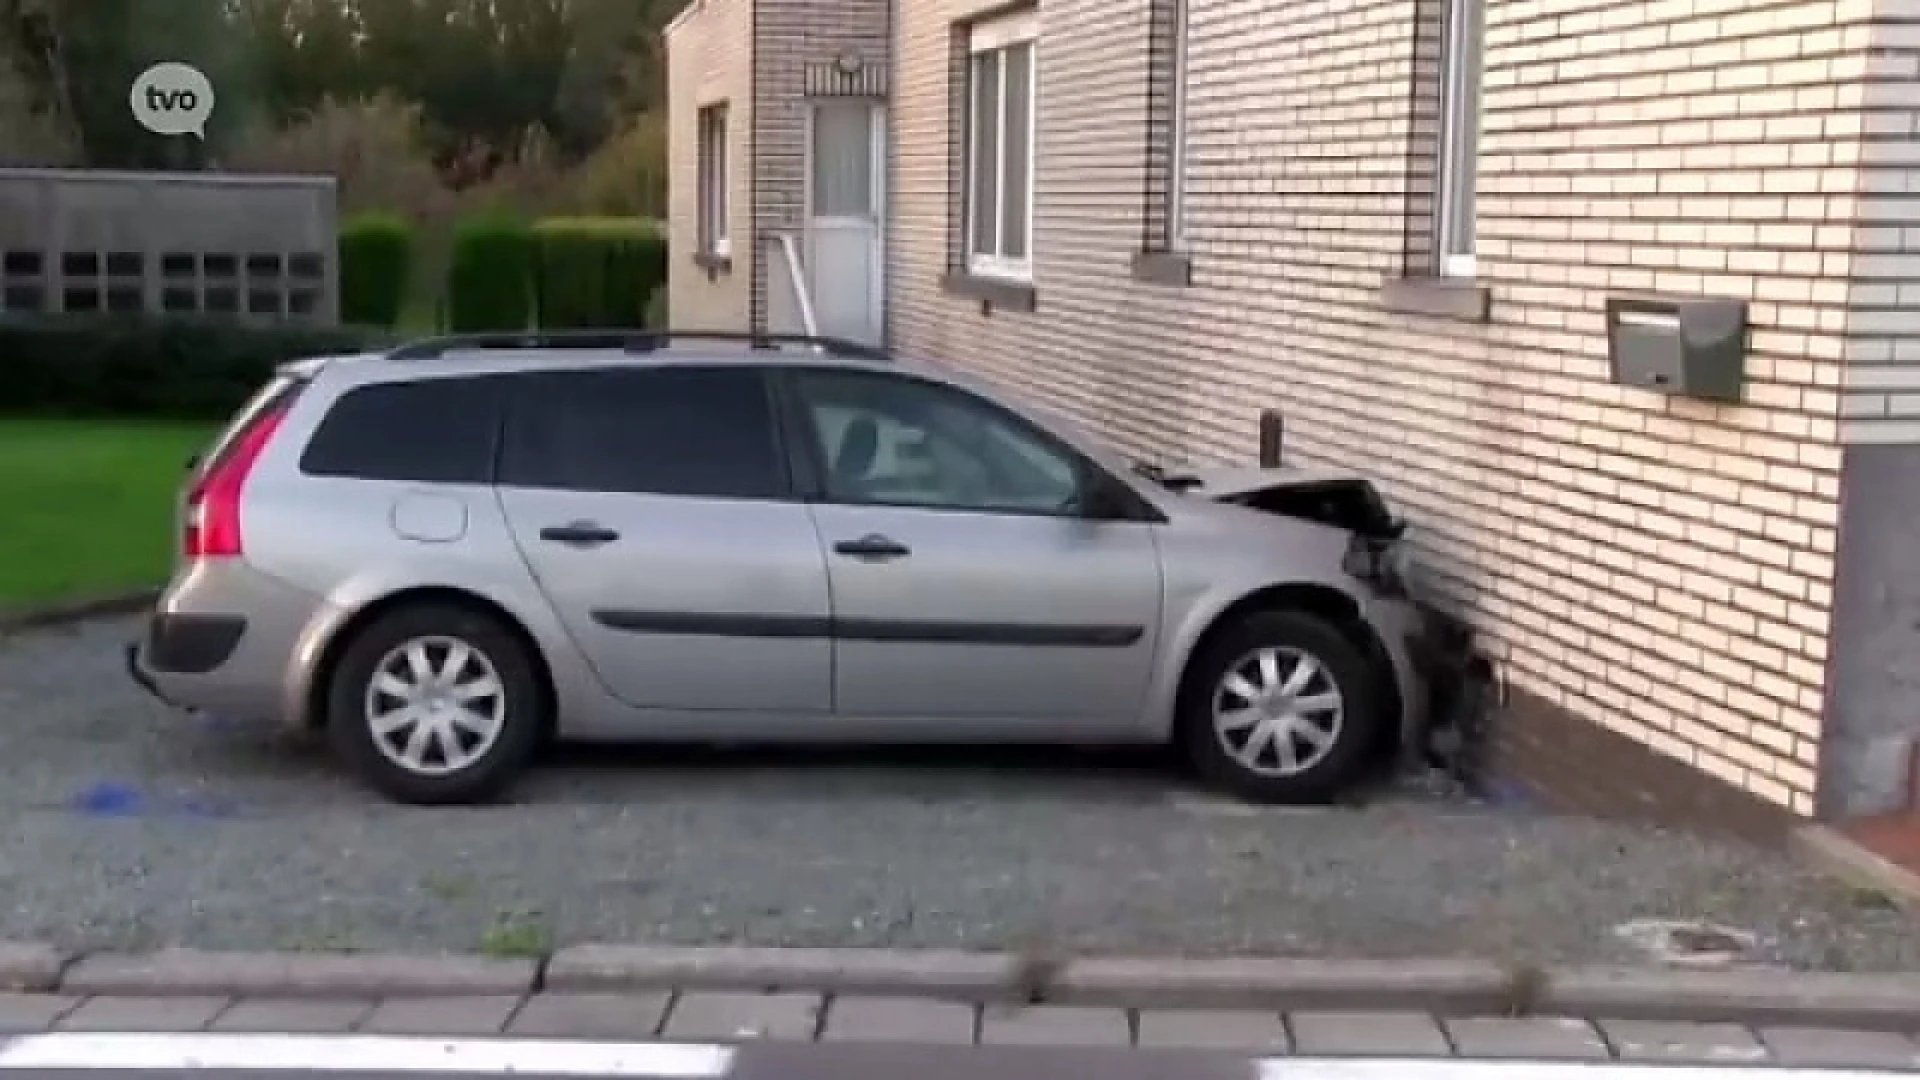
445, 554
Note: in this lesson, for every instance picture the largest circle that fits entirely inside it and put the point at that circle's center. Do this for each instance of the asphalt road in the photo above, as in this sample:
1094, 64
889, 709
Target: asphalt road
131, 826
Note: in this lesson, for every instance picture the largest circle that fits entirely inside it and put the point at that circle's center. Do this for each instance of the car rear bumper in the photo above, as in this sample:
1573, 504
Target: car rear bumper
221, 641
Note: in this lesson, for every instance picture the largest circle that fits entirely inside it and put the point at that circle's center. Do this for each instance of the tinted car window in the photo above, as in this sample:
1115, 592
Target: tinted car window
435, 431
705, 432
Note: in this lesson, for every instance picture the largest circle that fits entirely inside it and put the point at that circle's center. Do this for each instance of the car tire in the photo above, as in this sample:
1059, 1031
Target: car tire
1328, 757
482, 722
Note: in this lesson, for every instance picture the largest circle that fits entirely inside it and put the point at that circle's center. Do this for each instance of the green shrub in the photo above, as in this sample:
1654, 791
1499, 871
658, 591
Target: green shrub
376, 266
490, 275
596, 273
165, 368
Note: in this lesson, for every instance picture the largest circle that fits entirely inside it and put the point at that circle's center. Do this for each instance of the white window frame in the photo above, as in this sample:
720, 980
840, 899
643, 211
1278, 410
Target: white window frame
711, 138
1461, 59
995, 36
1177, 134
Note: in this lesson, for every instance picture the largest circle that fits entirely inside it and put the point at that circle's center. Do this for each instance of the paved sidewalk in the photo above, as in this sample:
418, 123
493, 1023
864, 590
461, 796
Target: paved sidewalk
732, 1016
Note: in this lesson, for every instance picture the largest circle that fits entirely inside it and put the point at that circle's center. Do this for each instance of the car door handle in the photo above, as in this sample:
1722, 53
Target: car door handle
579, 534
872, 546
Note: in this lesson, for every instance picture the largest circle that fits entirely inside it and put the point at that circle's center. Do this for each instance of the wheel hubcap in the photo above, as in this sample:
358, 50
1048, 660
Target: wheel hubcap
435, 705
1278, 711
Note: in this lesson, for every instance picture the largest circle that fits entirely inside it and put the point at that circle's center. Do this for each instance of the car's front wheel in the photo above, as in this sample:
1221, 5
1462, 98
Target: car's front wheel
434, 704
1281, 707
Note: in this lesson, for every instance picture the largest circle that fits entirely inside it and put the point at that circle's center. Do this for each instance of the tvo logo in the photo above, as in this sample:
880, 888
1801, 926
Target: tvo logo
172, 99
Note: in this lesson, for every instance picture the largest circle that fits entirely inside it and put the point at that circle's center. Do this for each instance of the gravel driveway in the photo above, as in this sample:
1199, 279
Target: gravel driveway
131, 826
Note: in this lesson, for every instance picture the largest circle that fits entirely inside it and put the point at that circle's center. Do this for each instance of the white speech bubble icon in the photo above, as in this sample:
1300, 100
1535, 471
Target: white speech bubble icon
172, 98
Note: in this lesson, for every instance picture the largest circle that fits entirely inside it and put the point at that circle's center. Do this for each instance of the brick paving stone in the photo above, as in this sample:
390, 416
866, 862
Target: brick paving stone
293, 1015
1525, 1037
592, 1016
730, 1015
906, 1020
1656, 1040
1213, 1029
21, 1013
115, 1013
1367, 1033
1832, 1048
475, 1015
1055, 1025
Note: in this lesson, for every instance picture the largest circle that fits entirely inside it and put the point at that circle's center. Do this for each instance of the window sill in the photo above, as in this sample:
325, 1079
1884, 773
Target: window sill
1163, 267
713, 264
1461, 299
991, 292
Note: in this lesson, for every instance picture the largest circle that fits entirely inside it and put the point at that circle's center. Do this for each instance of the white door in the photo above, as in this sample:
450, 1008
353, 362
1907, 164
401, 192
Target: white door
846, 150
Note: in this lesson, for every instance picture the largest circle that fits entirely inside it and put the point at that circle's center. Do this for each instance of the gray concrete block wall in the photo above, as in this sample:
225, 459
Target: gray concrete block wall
261, 248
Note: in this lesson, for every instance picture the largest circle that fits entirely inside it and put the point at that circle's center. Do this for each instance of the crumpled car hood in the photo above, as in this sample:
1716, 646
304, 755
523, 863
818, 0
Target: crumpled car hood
1326, 496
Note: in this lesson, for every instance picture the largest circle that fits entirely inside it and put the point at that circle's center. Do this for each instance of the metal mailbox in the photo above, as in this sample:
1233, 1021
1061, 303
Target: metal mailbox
1688, 346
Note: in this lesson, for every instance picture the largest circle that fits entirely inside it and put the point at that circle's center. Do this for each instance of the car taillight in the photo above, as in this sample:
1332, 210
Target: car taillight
213, 506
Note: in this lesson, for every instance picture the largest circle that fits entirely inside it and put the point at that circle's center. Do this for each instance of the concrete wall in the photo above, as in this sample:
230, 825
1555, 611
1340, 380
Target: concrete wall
709, 62
1658, 569
262, 247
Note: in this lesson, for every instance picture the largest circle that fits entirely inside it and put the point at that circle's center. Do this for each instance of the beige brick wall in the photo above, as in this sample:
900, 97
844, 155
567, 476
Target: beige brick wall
709, 61
1662, 567
1882, 401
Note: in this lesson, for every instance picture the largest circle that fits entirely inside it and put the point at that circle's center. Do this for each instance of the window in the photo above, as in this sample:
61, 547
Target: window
431, 431
1455, 172
695, 432
901, 442
714, 239
1177, 134
1000, 146
845, 156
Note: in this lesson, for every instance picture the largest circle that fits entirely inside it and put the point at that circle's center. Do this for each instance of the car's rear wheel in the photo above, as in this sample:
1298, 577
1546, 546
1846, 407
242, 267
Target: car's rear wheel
434, 704
1281, 707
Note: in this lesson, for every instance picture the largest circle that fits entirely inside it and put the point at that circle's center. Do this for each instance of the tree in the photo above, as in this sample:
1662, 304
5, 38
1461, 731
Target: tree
80, 58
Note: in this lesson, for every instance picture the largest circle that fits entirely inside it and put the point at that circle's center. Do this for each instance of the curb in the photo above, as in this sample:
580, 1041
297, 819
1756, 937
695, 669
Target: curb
1827, 849
1441, 986
69, 612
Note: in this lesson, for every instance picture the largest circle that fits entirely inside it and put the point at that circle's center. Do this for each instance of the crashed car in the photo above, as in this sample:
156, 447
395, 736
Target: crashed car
445, 554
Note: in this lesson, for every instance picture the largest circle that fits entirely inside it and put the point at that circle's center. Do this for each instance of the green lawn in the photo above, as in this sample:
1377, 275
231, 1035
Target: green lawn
86, 507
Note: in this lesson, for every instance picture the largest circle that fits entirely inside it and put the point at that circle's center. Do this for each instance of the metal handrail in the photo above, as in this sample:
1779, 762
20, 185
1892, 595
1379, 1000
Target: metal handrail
790, 254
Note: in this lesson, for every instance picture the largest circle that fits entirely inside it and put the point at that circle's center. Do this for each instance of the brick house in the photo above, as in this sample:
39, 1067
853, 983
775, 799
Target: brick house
776, 162
1404, 223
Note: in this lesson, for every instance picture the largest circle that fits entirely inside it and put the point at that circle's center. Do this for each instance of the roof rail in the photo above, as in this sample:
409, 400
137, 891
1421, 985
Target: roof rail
632, 341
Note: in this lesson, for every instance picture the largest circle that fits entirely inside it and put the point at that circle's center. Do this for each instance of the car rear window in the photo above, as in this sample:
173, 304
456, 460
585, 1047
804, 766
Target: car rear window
429, 431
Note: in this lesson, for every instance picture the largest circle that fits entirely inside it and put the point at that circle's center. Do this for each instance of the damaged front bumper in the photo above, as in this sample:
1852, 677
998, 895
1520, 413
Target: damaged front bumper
1460, 686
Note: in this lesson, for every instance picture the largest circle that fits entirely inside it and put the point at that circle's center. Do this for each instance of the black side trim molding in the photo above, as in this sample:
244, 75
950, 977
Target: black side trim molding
903, 631
959, 633
734, 626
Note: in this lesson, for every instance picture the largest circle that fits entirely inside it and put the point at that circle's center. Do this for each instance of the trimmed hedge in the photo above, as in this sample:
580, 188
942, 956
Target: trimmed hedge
376, 266
490, 275
153, 367
597, 273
